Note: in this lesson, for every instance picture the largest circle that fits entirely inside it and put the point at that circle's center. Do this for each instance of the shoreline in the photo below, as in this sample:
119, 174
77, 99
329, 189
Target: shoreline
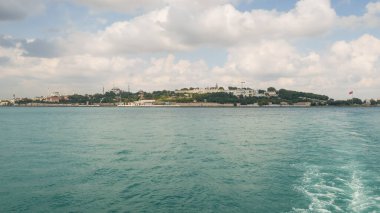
177, 106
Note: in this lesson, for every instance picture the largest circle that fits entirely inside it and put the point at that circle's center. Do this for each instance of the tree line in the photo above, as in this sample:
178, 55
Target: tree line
283, 96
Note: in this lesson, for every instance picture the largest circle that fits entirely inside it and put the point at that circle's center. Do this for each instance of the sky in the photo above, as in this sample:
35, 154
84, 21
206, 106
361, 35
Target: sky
328, 47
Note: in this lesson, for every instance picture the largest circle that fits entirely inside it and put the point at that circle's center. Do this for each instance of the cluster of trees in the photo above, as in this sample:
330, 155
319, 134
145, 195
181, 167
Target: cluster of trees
284, 95
354, 101
108, 97
220, 97
111, 97
192, 88
24, 101
223, 98
295, 96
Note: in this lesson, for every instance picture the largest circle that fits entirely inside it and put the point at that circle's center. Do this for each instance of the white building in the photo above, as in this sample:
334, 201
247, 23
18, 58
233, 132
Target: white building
54, 97
200, 90
3, 103
271, 94
246, 92
302, 104
367, 102
243, 92
116, 90
143, 103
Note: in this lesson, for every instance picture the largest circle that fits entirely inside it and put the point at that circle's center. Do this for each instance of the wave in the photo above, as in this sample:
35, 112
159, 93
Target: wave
340, 190
355, 133
362, 198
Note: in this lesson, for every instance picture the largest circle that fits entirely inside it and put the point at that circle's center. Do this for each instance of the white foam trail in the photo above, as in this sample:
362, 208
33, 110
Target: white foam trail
358, 195
362, 200
355, 133
338, 192
321, 195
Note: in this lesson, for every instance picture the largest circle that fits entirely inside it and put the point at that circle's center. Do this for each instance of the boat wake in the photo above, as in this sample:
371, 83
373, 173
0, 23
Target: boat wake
342, 190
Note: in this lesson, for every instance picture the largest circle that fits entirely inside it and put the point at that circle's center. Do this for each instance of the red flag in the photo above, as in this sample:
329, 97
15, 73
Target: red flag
351, 92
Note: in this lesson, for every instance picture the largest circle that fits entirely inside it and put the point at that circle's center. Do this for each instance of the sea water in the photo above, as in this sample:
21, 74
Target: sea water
190, 160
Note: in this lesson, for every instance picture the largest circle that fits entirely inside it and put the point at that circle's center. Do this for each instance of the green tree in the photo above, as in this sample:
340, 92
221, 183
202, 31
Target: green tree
78, 99
357, 101
232, 88
261, 91
333, 102
219, 97
295, 96
263, 101
373, 102
24, 101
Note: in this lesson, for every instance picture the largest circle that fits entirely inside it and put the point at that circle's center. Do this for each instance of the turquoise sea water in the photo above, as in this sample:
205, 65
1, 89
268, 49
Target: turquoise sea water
189, 160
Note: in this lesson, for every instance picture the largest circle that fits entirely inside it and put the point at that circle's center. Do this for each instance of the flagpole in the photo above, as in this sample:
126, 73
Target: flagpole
352, 96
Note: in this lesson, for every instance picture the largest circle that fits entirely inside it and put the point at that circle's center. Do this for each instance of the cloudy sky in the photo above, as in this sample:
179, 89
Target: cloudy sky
79, 46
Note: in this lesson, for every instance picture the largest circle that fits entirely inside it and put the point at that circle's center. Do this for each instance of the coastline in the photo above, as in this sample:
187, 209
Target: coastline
180, 106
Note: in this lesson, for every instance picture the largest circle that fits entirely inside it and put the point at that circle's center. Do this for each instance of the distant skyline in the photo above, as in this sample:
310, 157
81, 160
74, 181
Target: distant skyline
321, 46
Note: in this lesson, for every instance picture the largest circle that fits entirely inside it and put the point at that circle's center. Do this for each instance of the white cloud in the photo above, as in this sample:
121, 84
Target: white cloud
86, 72
371, 19
135, 6
225, 25
261, 46
357, 62
344, 66
271, 63
143, 34
177, 27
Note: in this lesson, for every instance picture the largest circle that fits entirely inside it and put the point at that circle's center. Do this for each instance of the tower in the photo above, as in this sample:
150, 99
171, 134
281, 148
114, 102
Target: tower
242, 83
141, 95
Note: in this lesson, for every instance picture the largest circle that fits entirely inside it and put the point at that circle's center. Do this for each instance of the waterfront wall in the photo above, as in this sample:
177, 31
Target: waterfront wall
204, 105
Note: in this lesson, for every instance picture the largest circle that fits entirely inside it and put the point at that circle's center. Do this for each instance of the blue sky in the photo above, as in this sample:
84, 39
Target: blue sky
324, 46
